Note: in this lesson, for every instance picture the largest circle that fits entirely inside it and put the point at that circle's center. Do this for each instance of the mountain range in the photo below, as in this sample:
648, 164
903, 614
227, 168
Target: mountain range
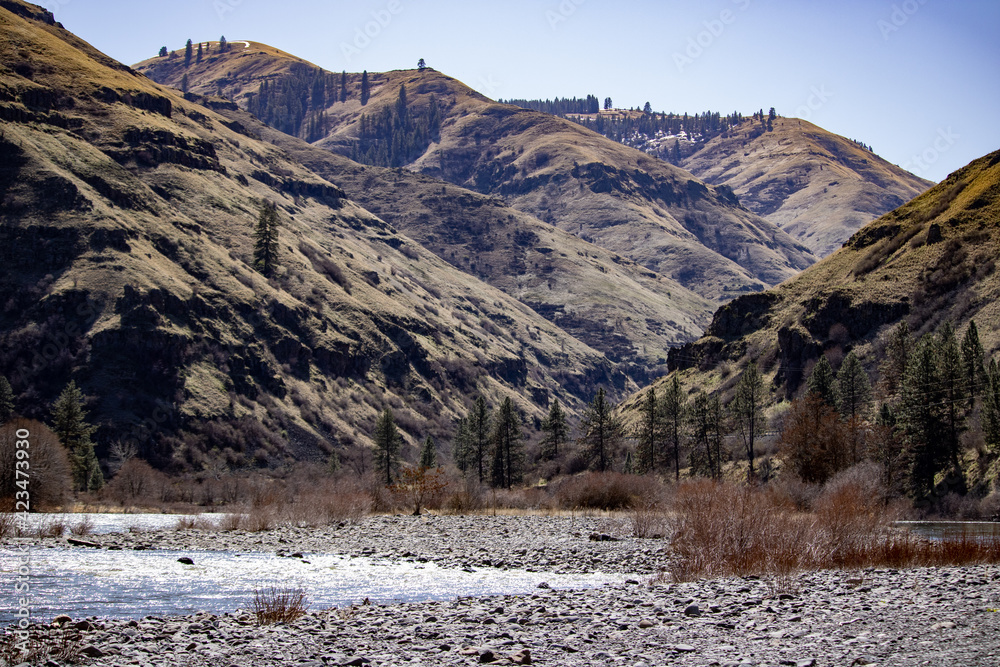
434, 245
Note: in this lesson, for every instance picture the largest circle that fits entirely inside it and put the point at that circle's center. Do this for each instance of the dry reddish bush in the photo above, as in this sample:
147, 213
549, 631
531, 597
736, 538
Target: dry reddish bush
721, 529
607, 491
813, 441
278, 605
48, 467
137, 482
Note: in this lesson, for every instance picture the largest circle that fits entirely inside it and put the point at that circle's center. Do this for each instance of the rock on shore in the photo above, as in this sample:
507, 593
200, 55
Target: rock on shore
935, 616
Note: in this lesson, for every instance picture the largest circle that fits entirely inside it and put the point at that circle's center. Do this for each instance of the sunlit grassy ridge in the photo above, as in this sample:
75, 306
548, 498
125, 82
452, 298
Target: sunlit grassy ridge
930, 260
127, 240
815, 185
561, 173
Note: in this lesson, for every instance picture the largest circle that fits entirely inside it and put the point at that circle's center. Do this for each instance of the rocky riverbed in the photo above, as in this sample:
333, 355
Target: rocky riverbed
944, 616
534, 543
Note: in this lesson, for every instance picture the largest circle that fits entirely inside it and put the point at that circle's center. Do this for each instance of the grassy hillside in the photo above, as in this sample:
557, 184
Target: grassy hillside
817, 186
619, 198
929, 261
126, 235
631, 314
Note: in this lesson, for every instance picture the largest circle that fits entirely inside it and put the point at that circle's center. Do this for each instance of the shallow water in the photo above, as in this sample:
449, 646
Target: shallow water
102, 522
134, 584
937, 530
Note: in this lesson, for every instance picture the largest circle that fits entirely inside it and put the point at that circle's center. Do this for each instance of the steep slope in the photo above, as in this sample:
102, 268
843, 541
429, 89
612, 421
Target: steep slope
126, 236
626, 311
817, 186
619, 198
930, 260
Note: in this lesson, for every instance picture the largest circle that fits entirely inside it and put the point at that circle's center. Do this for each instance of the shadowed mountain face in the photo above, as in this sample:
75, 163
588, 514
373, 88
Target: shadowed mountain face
126, 235
621, 199
817, 186
929, 261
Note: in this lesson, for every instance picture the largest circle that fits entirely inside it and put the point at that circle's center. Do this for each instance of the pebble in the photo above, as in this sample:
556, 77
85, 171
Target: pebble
936, 616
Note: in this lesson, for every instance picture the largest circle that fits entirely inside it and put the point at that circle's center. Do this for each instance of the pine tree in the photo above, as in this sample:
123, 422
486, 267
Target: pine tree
365, 88
387, 443
421, 64
650, 433
402, 112
478, 424
188, 52
184, 83
887, 450
921, 416
973, 363
823, 383
70, 426
163, 52
674, 407
602, 432
953, 392
705, 420
556, 431
428, 454
853, 387
897, 357
6, 401
508, 446
198, 55
433, 118
991, 407
460, 446
747, 409
648, 108
343, 87
223, 44
265, 250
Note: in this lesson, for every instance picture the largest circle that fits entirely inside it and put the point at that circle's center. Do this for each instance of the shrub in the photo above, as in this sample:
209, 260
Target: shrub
84, 526
722, 529
49, 471
605, 491
136, 481
278, 605
647, 520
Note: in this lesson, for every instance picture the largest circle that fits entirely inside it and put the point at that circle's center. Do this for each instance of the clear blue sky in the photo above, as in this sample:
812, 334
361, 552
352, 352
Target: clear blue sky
912, 78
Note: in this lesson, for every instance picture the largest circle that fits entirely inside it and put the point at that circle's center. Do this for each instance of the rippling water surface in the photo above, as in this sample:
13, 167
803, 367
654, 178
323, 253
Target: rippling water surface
131, 584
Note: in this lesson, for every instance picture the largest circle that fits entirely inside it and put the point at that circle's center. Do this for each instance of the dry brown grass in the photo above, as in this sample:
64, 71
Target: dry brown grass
278, 605
727, 529
84, 526
194, 523
606, 491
